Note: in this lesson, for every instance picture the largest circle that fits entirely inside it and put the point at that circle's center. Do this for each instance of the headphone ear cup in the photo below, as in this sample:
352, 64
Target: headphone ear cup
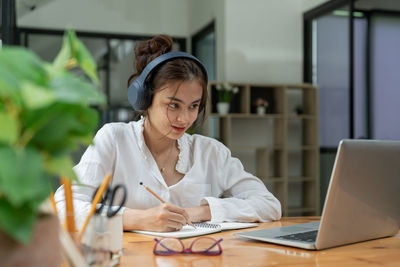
136, 95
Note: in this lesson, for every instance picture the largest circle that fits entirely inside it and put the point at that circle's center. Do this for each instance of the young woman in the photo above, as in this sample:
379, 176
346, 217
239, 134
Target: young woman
196, 175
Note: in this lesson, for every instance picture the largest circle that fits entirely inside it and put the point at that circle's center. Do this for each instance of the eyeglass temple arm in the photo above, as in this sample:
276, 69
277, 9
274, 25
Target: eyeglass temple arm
216, 243
161, 244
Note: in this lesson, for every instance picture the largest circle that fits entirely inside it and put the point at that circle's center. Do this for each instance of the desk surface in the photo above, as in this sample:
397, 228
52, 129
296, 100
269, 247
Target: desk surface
237, 251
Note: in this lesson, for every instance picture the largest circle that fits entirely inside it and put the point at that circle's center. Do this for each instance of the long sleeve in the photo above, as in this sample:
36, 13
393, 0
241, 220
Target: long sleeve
245, 198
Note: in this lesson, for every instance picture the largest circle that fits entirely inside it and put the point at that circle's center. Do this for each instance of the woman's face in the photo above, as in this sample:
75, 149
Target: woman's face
174, 108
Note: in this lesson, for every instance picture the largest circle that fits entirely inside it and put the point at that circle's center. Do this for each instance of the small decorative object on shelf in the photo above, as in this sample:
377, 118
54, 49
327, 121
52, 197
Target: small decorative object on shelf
225, 93
261, 105
299, 109
223, 108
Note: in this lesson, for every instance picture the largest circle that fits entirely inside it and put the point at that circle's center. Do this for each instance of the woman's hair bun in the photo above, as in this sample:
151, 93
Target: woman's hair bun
148, 50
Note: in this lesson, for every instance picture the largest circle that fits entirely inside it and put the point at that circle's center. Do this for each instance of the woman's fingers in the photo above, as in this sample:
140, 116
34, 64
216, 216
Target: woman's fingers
181, 212
164, 218
178, 218
173, 214
174, 225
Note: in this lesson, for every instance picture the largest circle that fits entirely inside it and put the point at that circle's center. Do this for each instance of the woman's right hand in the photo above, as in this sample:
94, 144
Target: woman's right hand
163, 218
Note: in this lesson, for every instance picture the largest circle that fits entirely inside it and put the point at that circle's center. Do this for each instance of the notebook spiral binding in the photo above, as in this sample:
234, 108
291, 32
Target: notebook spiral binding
207, 225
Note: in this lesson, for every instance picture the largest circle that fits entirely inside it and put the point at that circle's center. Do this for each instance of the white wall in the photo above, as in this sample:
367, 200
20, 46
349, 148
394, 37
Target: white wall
148, 17
263, 40
257, 40
202, 13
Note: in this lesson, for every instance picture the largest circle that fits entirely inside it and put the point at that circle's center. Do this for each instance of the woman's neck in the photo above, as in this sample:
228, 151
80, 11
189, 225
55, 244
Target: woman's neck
156, 141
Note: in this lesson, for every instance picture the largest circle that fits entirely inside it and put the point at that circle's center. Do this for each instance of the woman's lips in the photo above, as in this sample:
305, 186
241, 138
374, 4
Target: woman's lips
179, 129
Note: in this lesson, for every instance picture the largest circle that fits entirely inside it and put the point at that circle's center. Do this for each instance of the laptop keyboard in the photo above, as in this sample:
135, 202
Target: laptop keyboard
310, 236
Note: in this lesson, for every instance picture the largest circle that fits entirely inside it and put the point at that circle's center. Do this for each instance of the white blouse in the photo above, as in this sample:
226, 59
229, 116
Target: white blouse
211, 176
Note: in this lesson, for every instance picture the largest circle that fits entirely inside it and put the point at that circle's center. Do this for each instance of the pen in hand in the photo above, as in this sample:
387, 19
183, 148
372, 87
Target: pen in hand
162, 201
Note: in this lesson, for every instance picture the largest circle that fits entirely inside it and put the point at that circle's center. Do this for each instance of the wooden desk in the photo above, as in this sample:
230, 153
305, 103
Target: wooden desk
237, 251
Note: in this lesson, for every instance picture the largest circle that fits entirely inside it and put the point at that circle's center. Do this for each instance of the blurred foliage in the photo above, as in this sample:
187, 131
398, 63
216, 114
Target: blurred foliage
45, 114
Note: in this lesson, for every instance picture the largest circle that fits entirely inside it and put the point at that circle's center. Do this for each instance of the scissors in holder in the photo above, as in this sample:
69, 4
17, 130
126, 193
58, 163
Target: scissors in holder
108, 200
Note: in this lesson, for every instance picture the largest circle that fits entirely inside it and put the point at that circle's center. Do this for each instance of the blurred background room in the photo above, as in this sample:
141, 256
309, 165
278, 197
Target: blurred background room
326, 70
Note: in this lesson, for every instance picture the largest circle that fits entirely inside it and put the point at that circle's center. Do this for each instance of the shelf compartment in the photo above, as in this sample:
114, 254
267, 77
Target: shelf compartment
266, 164
298, 148
305, 211
274, 179
277, 188
270, 163
255, 132
302, 117
273, 95
302, 163
301, 179
302, 132
247, 147
301, 209
248, 116
302, 195
301, 100
238, 102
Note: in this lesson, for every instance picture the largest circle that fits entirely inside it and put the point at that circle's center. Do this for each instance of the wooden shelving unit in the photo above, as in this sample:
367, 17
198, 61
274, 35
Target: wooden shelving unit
280, 147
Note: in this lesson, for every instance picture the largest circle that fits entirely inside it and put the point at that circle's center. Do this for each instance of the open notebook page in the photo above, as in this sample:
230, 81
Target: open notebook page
201, 229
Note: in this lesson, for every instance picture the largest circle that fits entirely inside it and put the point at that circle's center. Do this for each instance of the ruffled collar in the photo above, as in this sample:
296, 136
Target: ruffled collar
184, 143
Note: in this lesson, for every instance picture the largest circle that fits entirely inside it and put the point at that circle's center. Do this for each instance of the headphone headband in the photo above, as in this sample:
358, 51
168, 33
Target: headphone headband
137, 93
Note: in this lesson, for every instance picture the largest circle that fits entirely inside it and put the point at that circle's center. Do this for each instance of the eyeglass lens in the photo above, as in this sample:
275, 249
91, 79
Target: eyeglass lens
203, 245
169, 246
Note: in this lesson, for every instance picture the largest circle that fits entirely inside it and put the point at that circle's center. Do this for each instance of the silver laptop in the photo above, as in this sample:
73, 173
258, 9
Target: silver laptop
362, 202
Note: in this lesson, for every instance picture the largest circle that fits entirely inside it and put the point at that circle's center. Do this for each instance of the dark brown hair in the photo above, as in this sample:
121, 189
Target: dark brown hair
180, 69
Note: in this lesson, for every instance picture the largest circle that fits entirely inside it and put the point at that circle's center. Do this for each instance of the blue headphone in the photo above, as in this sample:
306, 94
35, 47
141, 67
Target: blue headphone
138, 94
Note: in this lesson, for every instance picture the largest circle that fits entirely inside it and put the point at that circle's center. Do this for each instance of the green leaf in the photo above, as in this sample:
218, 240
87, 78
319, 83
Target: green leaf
82, 55
9, 83
61, 166
18, 64
18, 222
61, 127
36, 96
71, 89
73, 48
9, 128
64, 55
86, 140
22, 176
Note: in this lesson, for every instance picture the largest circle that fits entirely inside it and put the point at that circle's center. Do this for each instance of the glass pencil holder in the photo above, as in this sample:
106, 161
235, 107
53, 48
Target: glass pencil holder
96, 242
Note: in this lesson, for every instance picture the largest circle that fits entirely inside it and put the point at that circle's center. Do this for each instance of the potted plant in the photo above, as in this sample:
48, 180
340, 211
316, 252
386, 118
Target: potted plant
225, 93
261, 105
45, 113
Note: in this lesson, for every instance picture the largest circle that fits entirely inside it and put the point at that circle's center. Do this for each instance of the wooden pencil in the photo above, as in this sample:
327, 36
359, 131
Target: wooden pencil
53, 203
159, 198
69, 206
151, 192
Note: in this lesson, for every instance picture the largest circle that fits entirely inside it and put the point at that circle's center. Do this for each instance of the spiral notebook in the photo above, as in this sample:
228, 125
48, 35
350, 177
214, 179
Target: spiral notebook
204, 228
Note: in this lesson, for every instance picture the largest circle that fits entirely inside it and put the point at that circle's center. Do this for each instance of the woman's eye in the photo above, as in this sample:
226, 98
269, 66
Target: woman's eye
173, 105
194, 106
